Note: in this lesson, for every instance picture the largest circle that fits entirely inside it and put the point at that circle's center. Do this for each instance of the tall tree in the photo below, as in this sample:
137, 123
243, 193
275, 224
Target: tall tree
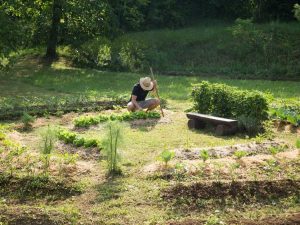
53, 35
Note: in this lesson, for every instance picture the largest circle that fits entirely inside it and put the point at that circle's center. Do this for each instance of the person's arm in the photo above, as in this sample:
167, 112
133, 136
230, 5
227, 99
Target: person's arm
134, 102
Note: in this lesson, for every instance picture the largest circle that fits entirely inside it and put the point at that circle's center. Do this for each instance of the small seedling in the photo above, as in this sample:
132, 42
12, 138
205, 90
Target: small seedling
240, 154
204, 155
166, 156
27, 121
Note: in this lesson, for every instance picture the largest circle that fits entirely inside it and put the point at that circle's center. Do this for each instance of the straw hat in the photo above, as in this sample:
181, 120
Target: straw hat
146, 83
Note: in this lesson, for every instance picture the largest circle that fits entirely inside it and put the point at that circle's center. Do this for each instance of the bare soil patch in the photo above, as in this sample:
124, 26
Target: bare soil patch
225, 151
27, 188
244, 191
31, 216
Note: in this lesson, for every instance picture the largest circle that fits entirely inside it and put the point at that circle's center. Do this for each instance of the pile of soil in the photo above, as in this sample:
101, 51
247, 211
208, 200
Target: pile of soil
225, 151
245, 191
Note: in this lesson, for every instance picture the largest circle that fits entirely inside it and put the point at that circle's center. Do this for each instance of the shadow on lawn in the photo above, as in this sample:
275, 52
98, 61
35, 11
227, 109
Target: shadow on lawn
110, 189
144, 125
210, 130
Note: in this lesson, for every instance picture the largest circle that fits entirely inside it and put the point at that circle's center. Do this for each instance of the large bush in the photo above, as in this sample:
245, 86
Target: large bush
229, 102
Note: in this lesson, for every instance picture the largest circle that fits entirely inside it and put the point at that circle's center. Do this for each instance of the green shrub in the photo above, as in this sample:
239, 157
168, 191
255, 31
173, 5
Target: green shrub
229, 102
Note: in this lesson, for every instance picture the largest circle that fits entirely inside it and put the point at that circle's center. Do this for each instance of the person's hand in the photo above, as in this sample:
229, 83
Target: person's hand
154, 85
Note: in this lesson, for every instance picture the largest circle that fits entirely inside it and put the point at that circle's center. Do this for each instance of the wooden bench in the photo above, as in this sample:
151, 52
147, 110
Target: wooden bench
223, 126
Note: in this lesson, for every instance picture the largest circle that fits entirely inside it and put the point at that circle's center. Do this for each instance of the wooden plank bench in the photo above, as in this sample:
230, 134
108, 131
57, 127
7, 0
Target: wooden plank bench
223, 126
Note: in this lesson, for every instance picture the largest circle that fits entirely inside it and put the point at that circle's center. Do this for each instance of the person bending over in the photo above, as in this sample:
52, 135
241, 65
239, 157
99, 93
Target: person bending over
139, 93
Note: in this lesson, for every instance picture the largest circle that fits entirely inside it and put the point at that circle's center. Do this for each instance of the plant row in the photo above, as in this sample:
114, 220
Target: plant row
69, 137
14, 108
285, 114
86, 121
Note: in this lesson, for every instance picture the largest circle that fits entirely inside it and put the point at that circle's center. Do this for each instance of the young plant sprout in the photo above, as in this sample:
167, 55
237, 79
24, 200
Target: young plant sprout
27, 121
240, 154
204, 155
166, 156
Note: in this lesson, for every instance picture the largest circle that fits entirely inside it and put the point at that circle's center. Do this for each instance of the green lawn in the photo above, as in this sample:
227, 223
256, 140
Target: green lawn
57, 80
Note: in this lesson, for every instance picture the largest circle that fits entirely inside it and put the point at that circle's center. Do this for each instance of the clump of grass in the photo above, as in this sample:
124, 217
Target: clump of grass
166, 156
240, 154
277, 149
111, 146
48, 139
27, 121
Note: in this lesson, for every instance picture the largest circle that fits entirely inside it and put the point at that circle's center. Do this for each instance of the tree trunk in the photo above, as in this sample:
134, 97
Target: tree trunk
53, 36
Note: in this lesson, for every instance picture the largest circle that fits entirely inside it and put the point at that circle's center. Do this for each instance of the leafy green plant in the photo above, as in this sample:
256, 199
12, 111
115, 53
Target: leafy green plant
166, 156
111, 147
240, 154
287, 114
277, 149
86, 121
79, 141
204, 155
27, 121
88, 143
72, 138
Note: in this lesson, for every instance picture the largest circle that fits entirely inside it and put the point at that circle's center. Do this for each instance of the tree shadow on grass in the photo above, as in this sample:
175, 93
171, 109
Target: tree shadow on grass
210, 130
144, 125
109, 190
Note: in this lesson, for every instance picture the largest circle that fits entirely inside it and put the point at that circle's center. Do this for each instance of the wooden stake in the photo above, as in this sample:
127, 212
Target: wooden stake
156, 91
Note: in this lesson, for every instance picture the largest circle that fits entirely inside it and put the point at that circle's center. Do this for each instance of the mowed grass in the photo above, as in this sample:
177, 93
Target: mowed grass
27, 80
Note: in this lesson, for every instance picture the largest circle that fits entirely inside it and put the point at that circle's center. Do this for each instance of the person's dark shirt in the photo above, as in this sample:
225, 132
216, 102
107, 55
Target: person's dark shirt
139, 92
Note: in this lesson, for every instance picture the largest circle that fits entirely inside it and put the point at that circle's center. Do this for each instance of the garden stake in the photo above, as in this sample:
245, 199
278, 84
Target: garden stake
156, 91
